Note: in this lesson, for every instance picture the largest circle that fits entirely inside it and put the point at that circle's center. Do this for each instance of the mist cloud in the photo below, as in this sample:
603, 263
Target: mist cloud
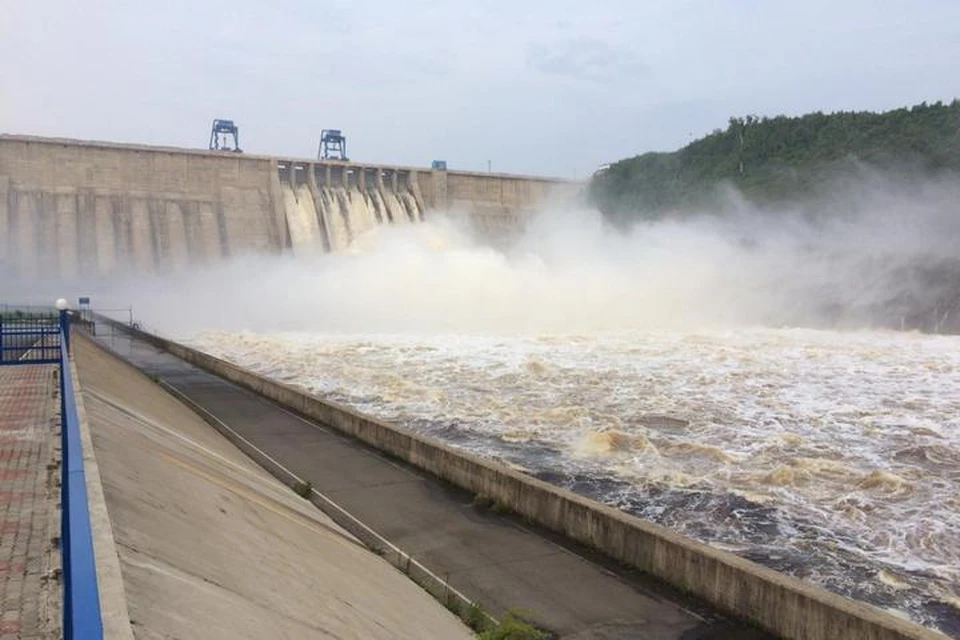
877, 255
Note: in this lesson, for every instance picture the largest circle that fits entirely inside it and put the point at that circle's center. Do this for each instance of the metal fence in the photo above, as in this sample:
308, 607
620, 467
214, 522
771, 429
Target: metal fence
40, 336
29, 336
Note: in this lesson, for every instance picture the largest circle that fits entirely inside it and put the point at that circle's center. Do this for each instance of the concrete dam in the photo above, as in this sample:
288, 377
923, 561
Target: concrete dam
76, 208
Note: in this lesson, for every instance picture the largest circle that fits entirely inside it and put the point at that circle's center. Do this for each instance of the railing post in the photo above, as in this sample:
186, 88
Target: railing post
65, 327
64, 484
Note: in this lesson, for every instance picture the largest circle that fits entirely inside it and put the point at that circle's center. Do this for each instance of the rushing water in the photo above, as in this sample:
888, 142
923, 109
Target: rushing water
630, 366
833, 456
337, 218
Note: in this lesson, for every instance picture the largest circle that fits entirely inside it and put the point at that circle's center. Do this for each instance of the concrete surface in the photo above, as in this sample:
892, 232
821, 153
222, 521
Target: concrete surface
70, 207
781, 604
211, 546
495, 560
30, 588
73, 208
114, 613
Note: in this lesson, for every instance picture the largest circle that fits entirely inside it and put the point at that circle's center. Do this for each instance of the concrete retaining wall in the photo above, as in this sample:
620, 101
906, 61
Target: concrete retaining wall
777, 603
429, 581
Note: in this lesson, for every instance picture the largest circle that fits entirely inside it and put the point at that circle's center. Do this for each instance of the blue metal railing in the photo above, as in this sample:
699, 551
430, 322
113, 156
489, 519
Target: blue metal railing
42, 336
81, 597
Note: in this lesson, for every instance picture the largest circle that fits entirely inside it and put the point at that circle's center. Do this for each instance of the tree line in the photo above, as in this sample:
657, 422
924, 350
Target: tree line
771, 159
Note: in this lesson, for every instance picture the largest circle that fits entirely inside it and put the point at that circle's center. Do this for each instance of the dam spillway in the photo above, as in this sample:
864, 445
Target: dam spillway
329, 207
82, 209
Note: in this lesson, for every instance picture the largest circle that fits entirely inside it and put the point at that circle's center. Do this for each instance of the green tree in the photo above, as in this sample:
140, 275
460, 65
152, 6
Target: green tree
770, 159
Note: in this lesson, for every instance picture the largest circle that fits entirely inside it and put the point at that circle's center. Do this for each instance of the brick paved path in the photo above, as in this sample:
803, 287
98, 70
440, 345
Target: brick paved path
29, 512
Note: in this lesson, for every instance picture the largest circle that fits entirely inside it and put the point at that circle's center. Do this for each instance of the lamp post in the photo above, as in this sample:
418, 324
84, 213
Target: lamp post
63, 306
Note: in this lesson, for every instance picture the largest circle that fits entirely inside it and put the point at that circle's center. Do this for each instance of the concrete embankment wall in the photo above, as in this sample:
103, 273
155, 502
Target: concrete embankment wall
210, 545
75, 208
777, 603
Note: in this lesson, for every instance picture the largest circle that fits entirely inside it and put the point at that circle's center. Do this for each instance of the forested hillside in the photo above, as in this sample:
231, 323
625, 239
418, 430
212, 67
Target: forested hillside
780, 158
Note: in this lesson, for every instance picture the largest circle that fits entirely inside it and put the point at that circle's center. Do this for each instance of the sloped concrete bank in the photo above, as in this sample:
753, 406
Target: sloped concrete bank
210, 545
780, 604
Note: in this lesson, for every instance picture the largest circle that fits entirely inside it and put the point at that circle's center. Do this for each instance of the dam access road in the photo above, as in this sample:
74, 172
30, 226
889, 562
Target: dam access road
490, 558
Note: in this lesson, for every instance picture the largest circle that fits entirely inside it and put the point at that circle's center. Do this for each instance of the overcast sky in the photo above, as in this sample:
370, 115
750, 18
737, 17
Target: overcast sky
532, 86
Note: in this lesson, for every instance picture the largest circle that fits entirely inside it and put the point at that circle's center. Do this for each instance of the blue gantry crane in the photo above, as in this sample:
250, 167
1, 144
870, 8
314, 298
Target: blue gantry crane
220, 135
333, 145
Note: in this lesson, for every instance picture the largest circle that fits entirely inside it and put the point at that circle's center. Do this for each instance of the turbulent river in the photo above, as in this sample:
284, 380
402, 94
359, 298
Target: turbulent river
649, 368
832, 456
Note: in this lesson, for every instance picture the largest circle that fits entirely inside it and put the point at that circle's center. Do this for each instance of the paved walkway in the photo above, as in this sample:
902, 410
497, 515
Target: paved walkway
29, 424
492, 559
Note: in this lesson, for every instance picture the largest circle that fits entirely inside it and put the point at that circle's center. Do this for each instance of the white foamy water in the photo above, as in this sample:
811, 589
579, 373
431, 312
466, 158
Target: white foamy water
333, 205
834, 456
